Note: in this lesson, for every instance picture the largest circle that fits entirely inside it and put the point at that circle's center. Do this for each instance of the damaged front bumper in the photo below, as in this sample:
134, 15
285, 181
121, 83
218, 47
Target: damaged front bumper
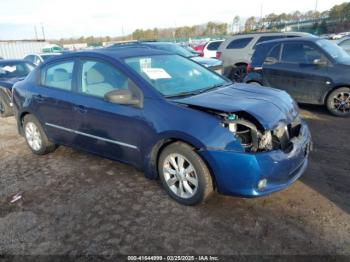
262, 173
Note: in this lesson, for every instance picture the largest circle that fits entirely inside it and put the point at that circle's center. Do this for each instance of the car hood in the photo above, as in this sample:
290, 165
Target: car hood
208, 62
9, 82
268, 106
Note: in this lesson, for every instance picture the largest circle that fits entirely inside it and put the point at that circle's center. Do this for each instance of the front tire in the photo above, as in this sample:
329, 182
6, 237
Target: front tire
35, 136
338, 102
184, 174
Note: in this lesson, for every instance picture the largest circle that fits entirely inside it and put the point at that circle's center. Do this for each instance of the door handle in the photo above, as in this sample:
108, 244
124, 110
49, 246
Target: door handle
80, 109
39, 98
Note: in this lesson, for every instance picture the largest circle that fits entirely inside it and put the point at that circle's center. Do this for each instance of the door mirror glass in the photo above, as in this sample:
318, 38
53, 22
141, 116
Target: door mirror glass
122, 97
320, 62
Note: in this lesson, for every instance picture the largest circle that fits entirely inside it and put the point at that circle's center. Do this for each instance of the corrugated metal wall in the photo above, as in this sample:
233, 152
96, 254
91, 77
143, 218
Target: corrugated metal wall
19, 49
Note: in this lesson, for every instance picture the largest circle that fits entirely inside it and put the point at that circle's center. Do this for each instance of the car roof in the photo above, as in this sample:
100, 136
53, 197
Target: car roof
118, 52
254, 34
293, 39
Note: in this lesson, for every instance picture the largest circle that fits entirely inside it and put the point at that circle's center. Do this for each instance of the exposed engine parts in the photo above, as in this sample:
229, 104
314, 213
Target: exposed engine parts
254, 139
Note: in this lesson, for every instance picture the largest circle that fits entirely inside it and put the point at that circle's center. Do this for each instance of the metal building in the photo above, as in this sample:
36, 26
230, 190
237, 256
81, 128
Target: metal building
17, 49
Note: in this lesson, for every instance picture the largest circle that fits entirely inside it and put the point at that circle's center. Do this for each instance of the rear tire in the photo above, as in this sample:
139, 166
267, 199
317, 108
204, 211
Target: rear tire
184, 174
5, 108
338, 102
238, 73
35, 136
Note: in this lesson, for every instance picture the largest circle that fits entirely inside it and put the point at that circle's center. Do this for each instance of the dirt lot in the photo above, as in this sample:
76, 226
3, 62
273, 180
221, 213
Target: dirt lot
75, 203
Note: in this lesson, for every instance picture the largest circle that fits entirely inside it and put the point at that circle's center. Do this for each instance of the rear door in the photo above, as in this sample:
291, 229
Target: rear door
297, 73
53, 102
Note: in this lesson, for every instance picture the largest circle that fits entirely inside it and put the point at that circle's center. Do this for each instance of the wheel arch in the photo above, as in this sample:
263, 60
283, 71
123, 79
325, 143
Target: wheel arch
151, 170
325, 97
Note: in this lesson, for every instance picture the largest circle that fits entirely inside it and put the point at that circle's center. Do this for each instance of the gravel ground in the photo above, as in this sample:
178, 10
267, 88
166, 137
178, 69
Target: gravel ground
78, 204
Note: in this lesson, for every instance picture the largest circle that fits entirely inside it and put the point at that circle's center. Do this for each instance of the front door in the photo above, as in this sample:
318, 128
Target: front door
105, 128
302, 71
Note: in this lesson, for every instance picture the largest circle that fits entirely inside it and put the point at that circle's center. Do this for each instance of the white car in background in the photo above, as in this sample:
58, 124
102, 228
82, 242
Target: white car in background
345, 44
210, 48
37, 59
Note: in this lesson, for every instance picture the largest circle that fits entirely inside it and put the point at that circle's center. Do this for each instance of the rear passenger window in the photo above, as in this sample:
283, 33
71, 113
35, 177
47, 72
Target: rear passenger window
59, 75
239, 43
99, 78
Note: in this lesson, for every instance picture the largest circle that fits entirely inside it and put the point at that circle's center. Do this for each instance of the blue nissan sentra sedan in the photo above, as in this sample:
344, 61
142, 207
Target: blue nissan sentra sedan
168, 116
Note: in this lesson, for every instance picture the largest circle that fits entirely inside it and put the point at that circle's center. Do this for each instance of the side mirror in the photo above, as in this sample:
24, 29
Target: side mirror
320, 62
122, 97
270, 60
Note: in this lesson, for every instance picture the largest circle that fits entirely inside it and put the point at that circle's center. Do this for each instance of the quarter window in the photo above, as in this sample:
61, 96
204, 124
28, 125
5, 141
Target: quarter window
99, 78
59, 75
275, 53
239, 43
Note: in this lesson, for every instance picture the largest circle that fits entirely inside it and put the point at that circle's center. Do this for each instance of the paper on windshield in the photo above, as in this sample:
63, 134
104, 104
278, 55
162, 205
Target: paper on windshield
156, 73
9, 68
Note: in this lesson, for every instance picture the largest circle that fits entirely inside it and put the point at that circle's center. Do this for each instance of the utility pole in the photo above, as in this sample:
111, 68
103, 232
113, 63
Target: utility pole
36, 33
43, 31
261, 16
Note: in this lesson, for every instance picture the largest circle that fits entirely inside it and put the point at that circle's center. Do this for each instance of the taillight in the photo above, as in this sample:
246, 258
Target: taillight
218, 55
249, 68
201, 54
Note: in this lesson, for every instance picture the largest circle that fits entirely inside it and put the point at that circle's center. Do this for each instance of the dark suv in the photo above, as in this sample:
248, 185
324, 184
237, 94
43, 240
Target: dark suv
236, 52
312, 70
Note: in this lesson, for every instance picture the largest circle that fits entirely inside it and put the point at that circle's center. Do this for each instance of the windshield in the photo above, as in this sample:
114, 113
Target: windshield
173, 48
336, 52
15, 69
174, 75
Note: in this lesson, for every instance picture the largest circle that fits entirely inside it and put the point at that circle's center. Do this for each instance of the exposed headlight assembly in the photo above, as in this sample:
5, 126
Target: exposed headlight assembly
248, 134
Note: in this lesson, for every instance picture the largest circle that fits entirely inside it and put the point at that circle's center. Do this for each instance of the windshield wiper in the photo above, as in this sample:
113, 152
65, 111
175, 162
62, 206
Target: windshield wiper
192, 93
182, 94
212, 87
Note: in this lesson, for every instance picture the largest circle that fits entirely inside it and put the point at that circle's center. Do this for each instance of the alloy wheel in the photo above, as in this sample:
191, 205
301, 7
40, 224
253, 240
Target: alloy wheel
341, 102
33, 136
180, 176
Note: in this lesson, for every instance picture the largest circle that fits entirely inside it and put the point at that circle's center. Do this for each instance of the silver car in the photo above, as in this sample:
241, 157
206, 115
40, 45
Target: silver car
236, 52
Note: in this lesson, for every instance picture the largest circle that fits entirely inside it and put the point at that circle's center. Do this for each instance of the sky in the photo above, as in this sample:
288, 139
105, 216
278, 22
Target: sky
75, 18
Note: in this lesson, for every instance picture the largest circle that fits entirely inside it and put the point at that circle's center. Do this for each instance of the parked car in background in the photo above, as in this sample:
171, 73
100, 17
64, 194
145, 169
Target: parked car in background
166, 115
345, 44
312, 70
211, 63
210, 48
199, 46
11, 71
236, 52
37, 59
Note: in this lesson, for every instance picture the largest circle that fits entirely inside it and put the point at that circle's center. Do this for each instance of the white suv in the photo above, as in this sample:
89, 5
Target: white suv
210, 48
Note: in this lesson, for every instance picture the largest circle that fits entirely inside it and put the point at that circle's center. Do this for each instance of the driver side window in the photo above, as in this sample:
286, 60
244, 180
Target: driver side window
99, 78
